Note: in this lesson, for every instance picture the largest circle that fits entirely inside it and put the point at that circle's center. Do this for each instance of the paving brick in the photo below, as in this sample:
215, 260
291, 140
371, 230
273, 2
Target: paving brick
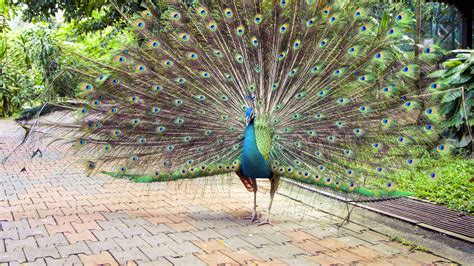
298, 261
33, 253
371, 237
156, 229
156, 253
186, 260
34, 222
107, 234
216, 258
129, 243
402, 260
242, 256
27, 214
424, 257
323, 260
134, 231
331, 243
74, 249
230, 231
310, 246
91, 217
9, 234
181, 237
67, 219
183, 248
38, 262
104, 258
14, 256
19, 244
159, 220
128, 255
299, 236
50, 212
278, 251
114, 223
36, 231
6, 215
346, 256
51, 241
23, 223
277, 237
181, 227
71, 260
368, 253
257, 240
203, 224
82, 236
85, 226
98, 246
207, 234
60, 228
159, 261
132, 222
211, 245
115, 215
155, 240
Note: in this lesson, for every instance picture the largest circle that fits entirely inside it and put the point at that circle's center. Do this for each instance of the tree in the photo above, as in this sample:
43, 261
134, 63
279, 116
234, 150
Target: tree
89, 15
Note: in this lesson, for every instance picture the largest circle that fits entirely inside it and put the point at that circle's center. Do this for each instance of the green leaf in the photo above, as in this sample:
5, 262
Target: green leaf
437, 74
466, 140
451, 96
452, 63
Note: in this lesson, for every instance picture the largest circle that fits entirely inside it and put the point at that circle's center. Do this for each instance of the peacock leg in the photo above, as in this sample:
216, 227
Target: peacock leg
254, 216
275, 182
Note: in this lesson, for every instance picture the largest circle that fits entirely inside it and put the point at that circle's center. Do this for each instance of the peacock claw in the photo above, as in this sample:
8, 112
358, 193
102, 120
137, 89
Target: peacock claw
265, 221
253, 218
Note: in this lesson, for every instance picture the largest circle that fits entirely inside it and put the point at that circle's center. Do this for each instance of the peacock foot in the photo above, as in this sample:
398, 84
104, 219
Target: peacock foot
253, 218
265, 221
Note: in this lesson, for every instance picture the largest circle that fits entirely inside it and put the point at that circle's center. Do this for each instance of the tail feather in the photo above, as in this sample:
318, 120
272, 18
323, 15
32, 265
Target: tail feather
337, 87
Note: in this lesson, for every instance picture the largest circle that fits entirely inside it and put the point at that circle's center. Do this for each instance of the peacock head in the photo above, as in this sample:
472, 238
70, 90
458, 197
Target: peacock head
249, 115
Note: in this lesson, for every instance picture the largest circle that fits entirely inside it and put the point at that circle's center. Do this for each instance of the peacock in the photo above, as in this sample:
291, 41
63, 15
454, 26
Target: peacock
328, 93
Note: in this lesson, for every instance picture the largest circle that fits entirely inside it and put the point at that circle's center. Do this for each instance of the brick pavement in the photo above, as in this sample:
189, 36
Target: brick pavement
53, 214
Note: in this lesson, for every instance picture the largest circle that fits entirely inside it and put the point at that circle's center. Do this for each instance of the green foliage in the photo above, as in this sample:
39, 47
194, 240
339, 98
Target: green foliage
30, 64
452, 185
457, 103
88, 16
37, 63
409, 244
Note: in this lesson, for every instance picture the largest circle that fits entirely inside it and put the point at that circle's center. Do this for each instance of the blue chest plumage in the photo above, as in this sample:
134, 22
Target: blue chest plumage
253, 163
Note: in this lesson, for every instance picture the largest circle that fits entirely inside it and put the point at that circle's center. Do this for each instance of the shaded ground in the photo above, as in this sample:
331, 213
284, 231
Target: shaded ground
52, 213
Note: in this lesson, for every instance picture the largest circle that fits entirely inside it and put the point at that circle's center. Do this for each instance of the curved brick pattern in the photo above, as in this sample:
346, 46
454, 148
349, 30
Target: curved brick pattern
57, 216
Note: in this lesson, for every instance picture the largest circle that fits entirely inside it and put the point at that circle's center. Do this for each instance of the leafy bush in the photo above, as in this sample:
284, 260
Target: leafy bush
446, 180
457, 103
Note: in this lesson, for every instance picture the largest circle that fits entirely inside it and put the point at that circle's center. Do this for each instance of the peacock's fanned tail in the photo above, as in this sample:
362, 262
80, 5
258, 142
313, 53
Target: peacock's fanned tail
336, 86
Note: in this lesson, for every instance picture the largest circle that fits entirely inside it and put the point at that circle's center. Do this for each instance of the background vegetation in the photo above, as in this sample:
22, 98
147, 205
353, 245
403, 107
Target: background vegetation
40, 40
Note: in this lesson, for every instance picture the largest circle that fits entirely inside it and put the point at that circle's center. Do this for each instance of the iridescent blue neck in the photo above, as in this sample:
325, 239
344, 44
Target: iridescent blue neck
253, 163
